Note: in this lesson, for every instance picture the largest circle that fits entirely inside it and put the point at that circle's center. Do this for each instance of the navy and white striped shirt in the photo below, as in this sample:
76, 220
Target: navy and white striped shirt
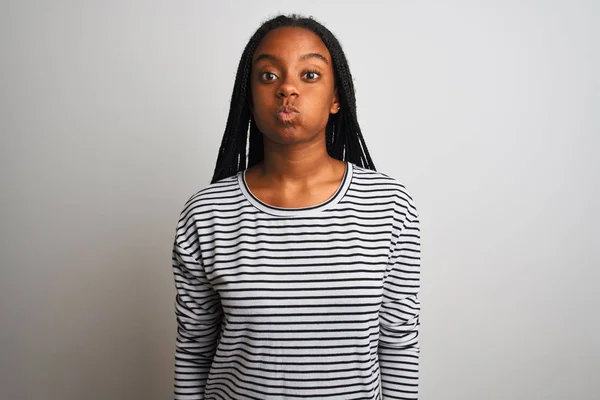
298, 303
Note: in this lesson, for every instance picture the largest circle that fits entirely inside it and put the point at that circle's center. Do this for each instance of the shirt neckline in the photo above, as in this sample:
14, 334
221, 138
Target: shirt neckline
284, 211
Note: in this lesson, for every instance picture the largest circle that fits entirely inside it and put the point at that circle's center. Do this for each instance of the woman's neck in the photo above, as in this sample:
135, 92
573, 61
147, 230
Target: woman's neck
296, 170
300, 163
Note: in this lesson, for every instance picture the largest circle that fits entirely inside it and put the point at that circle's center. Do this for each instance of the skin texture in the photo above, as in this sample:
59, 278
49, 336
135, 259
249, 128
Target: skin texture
297, 170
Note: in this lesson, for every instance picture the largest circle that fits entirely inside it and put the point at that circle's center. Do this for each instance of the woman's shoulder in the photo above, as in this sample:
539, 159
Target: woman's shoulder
377, 181
213, 194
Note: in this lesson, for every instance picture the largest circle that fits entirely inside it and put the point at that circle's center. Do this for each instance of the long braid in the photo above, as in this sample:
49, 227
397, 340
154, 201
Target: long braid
257, 150
343, 135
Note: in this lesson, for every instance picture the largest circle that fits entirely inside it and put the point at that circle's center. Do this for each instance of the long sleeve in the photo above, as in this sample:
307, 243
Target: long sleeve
198, 312
399, 314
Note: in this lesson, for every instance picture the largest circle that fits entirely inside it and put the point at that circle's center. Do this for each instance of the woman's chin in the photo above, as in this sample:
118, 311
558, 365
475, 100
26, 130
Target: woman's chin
288, 135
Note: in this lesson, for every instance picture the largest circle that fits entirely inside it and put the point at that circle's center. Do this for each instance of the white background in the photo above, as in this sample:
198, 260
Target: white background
111, 116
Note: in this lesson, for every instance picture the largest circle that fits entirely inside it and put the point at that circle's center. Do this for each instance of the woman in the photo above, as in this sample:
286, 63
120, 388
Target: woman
297, 268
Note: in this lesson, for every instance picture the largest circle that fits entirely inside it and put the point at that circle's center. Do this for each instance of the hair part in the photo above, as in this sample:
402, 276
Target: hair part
242, 143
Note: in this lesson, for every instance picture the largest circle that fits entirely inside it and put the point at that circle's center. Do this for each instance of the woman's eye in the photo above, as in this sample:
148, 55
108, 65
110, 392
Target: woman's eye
267, 76
312, 75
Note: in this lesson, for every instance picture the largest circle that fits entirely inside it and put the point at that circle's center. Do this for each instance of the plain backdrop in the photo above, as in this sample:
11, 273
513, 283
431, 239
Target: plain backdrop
111, 115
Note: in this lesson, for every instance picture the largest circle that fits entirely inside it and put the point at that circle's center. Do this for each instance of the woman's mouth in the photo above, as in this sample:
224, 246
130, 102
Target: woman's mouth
287, 113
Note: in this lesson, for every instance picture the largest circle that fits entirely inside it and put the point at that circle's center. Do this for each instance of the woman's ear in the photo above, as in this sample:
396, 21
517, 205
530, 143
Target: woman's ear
251, 105
335, 104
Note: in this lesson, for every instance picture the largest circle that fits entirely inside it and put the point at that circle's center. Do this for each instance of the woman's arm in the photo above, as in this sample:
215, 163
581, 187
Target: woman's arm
399, 314
198, 311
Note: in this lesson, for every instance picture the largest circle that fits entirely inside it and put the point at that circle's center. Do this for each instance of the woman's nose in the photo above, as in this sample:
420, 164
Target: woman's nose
288, 88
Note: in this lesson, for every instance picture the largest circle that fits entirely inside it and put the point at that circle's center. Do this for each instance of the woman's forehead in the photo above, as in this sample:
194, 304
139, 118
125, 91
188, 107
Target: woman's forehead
291, 43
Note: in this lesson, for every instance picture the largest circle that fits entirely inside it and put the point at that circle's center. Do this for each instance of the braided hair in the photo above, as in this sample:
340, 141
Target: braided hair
242, 143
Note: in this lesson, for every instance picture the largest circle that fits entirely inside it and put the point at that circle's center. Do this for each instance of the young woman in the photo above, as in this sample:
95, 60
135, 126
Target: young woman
297, 268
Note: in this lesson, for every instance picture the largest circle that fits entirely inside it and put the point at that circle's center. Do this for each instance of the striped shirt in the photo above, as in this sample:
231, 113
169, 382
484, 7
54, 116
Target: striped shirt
318, 302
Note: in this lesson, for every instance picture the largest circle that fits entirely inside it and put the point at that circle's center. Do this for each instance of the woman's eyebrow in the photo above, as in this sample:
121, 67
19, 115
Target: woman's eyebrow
315, 55
265, 56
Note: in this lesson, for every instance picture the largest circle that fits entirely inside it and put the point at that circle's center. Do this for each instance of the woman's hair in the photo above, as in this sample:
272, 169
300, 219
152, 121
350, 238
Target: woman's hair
242, 144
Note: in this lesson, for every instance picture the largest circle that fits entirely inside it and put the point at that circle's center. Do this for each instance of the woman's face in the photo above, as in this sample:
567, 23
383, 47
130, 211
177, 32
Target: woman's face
292, 67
